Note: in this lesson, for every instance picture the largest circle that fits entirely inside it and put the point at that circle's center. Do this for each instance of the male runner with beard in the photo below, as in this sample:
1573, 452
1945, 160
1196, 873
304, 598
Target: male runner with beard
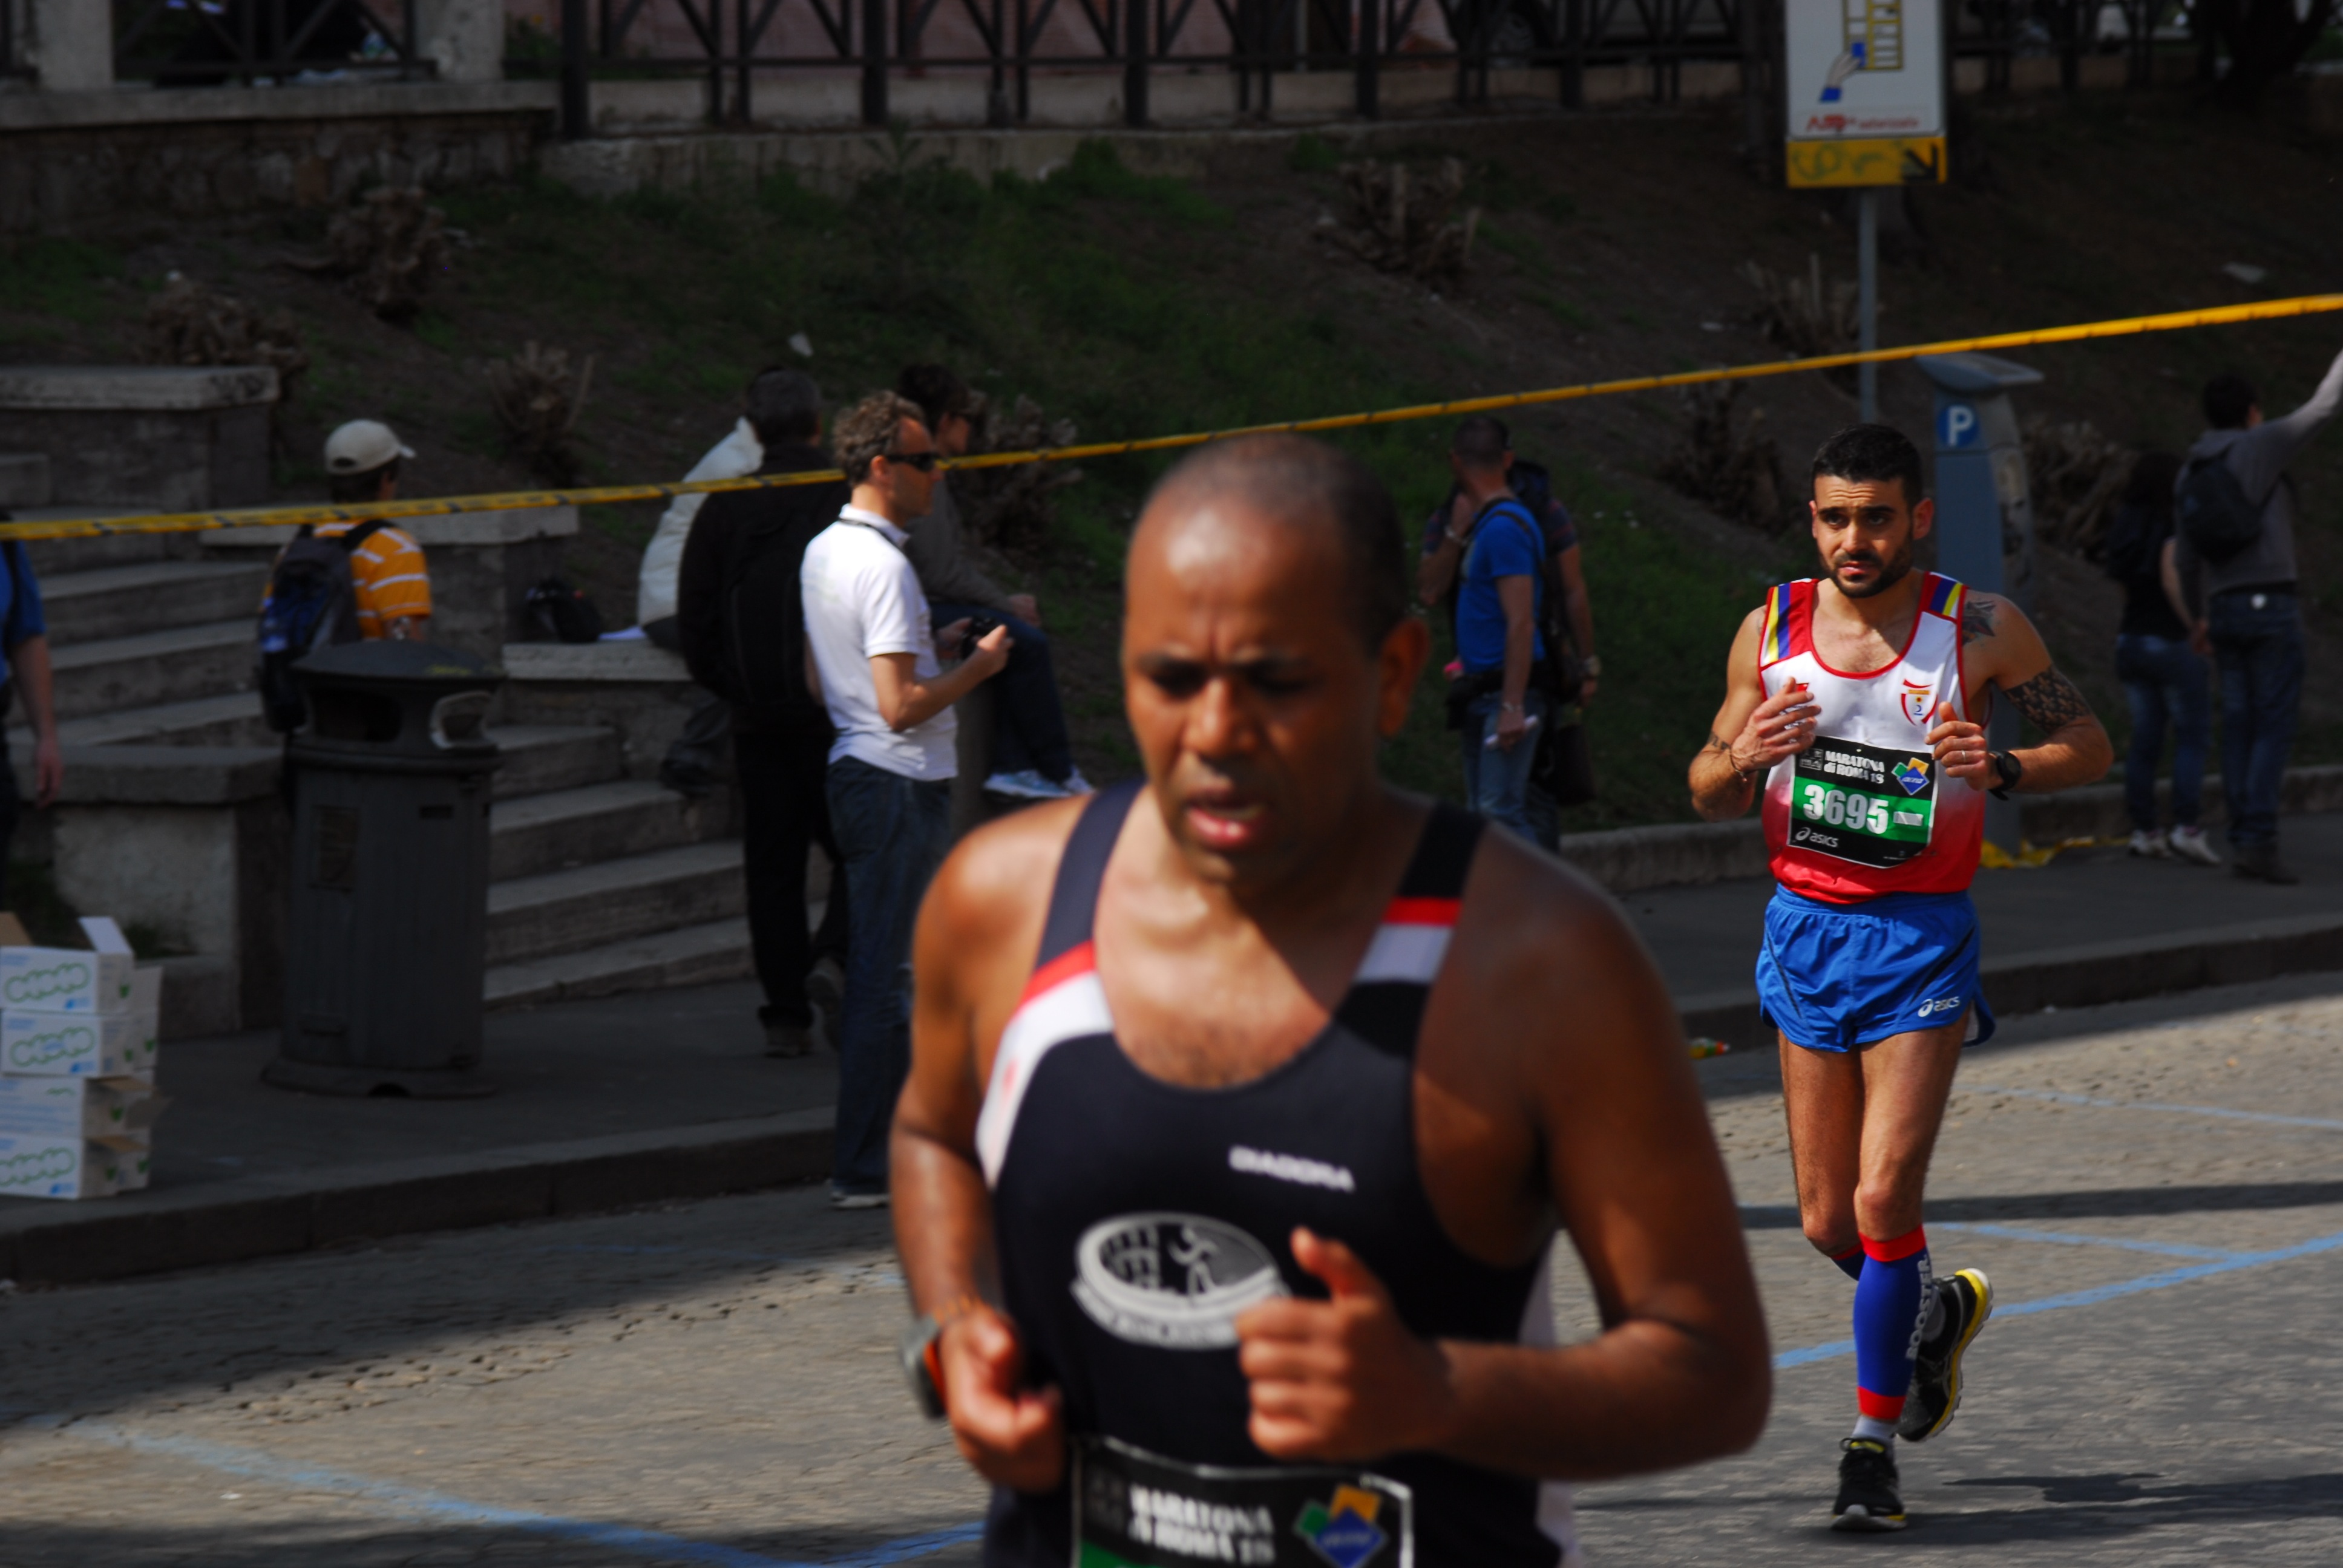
1225, 1177
1860, 700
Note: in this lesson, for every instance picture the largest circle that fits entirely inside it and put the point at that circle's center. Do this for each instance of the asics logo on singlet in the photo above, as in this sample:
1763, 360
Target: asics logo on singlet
1290, 1168
1179, 1282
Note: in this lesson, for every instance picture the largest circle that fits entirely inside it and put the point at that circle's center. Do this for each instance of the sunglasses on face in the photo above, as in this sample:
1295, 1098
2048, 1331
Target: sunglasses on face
925, 462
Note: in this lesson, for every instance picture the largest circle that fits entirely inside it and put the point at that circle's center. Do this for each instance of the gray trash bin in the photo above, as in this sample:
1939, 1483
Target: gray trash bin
387, 946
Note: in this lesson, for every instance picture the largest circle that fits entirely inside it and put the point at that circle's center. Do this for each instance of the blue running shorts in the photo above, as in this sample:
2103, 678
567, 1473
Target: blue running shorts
1838, 977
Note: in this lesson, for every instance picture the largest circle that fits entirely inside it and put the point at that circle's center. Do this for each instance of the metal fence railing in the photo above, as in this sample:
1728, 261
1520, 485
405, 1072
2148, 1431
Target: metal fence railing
211, 43
741, 47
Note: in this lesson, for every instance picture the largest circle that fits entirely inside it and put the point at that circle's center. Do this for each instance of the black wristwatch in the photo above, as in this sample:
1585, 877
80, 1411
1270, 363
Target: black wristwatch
2008, 769
923, 1364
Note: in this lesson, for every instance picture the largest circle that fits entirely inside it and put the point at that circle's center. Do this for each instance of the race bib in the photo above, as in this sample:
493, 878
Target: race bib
1136, 1510
1861, 803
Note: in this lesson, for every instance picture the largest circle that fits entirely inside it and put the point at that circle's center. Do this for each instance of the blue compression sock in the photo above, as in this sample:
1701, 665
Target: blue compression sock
1889, 1298
1850, 1262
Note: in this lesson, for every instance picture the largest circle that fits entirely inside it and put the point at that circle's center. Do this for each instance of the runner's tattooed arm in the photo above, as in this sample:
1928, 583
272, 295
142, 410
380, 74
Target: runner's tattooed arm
2001, 648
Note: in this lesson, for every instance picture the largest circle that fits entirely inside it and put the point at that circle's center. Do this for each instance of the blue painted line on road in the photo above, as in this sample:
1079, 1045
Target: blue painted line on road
2220, 1110
430, 1504
2098, 1293
2069, 1239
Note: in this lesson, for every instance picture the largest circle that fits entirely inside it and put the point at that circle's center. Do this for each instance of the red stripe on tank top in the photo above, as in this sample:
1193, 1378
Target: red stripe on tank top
1422, 911
1073, 961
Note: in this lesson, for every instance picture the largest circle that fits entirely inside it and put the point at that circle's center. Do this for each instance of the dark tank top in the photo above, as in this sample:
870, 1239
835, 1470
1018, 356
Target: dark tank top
1136, 1219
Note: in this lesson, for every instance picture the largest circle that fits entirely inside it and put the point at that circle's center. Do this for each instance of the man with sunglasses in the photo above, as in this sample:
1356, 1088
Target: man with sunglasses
875, 653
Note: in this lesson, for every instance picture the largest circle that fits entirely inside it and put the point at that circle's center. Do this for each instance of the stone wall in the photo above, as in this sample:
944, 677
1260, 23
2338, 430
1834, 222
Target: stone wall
72, 159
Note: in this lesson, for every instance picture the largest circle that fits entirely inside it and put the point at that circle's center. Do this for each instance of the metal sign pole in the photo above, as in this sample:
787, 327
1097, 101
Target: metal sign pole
1866, 263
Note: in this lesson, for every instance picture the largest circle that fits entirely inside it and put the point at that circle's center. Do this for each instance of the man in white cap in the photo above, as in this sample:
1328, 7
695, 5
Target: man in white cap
388, 575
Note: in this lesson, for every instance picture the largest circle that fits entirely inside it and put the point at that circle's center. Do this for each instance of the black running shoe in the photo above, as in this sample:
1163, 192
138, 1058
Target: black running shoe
1936, 1392
1867, 1495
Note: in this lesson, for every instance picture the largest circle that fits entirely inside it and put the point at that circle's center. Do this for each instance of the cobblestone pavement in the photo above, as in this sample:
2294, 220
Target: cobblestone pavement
2156, 1189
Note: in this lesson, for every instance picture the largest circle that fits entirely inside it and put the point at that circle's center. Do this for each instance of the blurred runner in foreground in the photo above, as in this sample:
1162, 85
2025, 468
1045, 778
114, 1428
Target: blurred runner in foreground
1247, 1102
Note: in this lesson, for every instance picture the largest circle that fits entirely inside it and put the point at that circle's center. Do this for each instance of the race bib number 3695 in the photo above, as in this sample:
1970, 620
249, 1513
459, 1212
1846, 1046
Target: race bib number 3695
1862, 803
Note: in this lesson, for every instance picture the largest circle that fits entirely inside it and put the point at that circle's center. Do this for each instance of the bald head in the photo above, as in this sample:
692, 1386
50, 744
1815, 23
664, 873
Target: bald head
1298, 483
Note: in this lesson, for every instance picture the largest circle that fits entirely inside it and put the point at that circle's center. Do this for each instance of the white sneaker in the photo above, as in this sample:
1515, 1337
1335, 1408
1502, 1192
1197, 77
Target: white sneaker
2190, 844
1078, 784
1027, 784
2148, 846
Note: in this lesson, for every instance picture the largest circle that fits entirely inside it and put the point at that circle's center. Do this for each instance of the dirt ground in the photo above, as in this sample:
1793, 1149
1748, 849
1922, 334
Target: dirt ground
1611, 246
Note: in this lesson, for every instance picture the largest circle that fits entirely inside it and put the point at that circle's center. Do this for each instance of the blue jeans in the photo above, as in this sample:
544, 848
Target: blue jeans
1497, 781
2260, 654
1029, 730
891, 833
2167, 684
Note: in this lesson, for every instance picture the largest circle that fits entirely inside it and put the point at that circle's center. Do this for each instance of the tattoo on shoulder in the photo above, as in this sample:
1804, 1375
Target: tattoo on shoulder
1977, 618
2050, 700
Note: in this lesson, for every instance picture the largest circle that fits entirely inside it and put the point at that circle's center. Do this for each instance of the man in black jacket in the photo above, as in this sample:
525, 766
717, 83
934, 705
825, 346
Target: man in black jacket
742, 626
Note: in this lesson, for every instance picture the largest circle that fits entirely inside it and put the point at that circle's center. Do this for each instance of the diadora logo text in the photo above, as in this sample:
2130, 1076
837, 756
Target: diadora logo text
1292, 1168
1177, 1281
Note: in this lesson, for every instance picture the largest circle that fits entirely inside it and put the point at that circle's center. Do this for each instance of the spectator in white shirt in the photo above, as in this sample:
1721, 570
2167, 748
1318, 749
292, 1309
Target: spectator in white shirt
875, 654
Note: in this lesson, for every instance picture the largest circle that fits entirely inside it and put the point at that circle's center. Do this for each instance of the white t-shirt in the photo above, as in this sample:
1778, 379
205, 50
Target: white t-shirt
735, 457
862, 599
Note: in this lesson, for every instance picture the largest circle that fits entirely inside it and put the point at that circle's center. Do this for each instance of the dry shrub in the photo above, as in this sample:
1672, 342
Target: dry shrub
537, 405
2076, 474
1406, 221
1010, 508
389, 247
189, 323
1735, 474
1806, 316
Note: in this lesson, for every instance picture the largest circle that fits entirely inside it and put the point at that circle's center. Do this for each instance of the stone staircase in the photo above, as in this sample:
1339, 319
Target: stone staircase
602, 881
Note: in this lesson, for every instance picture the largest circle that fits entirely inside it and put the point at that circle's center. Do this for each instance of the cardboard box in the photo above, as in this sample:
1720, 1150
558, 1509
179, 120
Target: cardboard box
68, 1168
65, 979
121, 1110
71, 1045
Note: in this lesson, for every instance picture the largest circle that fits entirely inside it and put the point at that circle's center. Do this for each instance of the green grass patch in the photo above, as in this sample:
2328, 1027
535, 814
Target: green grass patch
1313, 155
60, 277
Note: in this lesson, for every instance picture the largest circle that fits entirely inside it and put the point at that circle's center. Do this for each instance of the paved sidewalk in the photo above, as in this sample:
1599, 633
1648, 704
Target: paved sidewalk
662, 1096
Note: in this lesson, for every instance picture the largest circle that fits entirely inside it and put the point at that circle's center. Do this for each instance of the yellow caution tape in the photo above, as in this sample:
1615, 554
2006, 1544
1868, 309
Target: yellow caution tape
523, 500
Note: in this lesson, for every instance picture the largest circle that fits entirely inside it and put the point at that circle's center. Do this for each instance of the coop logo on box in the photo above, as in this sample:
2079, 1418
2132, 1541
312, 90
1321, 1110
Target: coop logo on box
37, 1168
27, 986
33, 1050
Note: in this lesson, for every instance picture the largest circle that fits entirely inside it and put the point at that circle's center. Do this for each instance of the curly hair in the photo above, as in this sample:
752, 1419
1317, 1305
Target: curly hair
868, 431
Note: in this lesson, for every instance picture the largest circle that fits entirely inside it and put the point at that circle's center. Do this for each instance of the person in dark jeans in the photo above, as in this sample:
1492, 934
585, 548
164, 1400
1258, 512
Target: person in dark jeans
2165, 681
26, 676
1033, 755
2251, 622
741, 626
879, 656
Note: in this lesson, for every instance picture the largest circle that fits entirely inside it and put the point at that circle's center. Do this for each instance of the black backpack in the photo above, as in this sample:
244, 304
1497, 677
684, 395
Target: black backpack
2217, 518
563, 613
312, 603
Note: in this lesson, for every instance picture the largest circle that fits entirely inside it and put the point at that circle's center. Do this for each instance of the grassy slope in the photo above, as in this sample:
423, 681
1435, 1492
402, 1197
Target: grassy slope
1139, 306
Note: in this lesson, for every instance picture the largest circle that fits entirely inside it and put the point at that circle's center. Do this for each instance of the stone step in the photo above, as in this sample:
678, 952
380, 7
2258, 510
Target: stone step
153, 668
150, 596
231, 719
592, 906
541, 757
690, 955
566, 828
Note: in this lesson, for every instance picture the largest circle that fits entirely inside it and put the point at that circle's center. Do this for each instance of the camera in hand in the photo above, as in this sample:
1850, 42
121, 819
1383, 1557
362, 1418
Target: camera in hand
979, 627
